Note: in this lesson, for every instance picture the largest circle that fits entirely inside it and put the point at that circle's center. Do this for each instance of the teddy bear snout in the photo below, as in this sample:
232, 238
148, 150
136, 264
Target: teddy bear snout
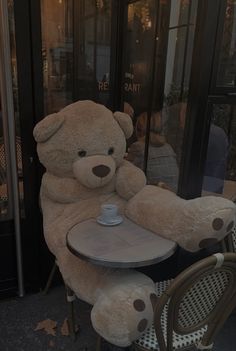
101, 171
94, 171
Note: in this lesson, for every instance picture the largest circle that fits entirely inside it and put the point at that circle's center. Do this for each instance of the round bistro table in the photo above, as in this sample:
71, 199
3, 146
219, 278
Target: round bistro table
126, 245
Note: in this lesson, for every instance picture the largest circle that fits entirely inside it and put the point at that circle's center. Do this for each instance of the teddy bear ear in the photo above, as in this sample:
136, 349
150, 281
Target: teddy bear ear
47, 127
125, 122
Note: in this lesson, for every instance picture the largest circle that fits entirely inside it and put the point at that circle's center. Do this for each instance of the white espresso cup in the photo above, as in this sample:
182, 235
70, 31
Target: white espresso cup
109, 212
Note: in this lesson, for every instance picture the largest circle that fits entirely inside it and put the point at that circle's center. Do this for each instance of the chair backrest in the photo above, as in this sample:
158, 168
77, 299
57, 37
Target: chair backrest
229, 242
202, 295
234, 239
233, 236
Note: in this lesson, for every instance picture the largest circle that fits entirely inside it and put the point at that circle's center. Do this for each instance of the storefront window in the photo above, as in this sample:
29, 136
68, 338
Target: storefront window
227, 67
57, 53
167, 119
76, 51
220, 167
139, 53
6, 205
16, 106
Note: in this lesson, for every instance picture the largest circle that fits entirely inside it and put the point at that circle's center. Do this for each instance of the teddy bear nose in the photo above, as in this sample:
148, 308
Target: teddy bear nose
101, 171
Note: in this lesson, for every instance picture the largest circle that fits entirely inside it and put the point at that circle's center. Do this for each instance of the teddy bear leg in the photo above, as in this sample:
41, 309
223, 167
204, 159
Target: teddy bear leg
193, 224
212, 220
121, 314
121, 298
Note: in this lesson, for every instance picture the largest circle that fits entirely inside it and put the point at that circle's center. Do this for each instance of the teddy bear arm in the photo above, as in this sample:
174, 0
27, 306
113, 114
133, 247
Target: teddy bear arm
130, 180
62, 190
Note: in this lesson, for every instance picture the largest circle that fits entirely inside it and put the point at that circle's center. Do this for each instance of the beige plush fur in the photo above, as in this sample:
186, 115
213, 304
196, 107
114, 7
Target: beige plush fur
71, 192
193, 224
82, 148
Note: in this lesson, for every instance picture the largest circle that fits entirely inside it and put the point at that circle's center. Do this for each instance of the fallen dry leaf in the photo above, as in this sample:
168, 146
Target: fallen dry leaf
48, 325
64, 328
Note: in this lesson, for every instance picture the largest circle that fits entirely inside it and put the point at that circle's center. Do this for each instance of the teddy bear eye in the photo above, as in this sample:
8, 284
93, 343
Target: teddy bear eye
111, 150
82, 153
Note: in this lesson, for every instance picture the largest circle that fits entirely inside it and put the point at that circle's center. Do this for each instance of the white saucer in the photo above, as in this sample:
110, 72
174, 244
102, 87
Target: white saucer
115, 221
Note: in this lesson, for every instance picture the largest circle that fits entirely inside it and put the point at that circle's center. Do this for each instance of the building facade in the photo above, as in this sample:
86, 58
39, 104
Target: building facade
170, 64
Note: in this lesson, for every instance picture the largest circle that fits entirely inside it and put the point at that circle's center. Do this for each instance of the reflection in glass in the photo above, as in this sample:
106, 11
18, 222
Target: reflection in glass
76, 51
179, 14
166, 123
162, 164
227, 66
93, 61
139, 53
178, 67
5, 181
220, 167
57, 53
16, 105
3, 173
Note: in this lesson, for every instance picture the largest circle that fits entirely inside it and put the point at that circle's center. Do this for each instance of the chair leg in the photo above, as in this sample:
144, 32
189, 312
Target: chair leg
99, 343
50, 278
70, 296
208, 347
223, 245
230, 244
137, 348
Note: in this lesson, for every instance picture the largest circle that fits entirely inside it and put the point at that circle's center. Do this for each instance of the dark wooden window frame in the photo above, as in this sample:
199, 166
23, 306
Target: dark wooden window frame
30, 81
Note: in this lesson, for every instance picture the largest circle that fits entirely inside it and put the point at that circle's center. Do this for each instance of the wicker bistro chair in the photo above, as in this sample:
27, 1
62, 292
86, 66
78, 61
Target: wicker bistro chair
233, 236
190, 309
229, 242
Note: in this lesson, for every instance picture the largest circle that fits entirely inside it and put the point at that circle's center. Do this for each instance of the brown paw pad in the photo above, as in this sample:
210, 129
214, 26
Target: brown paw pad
217, 223
139, 305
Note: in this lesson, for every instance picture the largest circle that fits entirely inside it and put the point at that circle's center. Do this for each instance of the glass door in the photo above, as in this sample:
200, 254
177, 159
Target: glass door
154, 70
11, 184
159, 47
220, 166
76, 41
146, 56
156, 66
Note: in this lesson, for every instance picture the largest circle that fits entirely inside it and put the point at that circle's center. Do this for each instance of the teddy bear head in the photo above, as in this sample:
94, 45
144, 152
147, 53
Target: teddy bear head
85, 140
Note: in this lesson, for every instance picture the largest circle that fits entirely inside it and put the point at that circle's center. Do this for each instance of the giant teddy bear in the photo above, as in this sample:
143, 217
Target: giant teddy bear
82, 148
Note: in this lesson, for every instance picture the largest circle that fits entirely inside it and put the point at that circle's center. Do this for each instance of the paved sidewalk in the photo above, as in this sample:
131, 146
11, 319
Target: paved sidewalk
20, 317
